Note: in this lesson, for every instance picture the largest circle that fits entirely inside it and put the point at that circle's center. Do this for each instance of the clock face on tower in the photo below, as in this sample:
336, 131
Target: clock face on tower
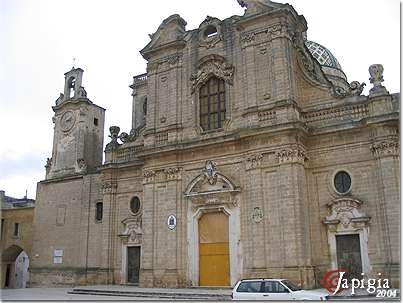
67, 121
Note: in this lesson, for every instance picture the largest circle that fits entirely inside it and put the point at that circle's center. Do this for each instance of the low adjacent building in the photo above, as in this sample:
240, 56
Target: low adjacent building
17, 216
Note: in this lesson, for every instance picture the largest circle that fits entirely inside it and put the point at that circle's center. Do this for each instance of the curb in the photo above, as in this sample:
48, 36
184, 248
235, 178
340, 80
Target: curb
167, 295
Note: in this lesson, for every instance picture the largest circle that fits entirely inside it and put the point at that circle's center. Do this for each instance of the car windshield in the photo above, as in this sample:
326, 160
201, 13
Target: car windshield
291, 286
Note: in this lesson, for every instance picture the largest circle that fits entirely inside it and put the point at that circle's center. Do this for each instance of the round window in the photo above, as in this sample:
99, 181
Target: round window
210, 31
135, 205
342, 182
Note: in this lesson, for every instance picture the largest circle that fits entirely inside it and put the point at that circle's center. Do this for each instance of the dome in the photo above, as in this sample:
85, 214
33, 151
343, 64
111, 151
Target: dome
322, 54
329, 64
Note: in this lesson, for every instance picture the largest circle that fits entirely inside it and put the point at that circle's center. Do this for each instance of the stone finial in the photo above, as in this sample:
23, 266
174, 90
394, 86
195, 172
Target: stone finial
376, 72
114, 130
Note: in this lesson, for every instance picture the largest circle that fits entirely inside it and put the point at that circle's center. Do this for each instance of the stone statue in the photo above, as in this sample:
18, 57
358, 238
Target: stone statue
82, 92
210, 172
376, 72
48, 162
356, 88
60, 99
257, 6
81, 165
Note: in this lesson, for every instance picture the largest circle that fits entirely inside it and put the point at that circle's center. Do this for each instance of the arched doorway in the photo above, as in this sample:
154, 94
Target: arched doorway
15, 263
213, 229
214, 250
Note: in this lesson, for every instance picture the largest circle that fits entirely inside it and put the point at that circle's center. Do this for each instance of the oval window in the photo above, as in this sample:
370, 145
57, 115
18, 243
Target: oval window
342, 182
135, 205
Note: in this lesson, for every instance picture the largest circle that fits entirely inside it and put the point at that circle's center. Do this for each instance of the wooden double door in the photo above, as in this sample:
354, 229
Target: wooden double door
214, 268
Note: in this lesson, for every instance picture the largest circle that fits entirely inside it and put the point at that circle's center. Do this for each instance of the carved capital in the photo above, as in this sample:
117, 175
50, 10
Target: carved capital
173, 173
247, 38
292, 155
279, 31
385, 148
109, 187
254, 161
148, 176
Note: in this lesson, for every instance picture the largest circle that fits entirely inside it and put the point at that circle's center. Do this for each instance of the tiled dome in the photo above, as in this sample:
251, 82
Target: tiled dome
322, 54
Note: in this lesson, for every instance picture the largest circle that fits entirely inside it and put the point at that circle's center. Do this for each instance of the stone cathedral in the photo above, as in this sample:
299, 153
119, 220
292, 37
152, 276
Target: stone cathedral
250, 155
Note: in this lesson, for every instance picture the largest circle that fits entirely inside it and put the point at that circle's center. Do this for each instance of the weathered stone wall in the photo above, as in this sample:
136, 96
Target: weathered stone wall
65, 220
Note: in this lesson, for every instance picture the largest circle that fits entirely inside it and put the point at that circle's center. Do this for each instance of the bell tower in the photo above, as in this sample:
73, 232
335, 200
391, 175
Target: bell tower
78, 130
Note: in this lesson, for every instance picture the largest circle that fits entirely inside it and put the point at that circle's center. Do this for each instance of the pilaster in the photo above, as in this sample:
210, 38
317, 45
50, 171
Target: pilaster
294, 205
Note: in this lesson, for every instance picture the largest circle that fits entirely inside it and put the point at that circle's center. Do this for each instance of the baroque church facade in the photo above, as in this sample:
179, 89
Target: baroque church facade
250, 155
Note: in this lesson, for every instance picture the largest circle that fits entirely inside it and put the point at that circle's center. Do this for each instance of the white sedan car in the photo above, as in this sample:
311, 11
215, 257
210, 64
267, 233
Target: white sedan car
274, 289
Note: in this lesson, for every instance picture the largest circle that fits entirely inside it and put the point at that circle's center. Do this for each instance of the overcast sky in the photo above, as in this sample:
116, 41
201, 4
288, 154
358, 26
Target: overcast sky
40, 38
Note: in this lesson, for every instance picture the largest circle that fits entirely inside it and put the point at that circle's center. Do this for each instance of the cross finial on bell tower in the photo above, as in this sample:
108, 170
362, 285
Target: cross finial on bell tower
74, 62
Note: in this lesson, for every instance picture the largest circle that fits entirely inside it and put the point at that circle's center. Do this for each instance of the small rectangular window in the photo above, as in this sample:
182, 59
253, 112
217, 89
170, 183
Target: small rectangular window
16, 229
96, 121
98, 211
2, 228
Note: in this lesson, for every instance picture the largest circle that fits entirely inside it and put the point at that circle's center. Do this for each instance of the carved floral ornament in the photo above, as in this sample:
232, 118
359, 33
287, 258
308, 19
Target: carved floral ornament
345, 215
212, 66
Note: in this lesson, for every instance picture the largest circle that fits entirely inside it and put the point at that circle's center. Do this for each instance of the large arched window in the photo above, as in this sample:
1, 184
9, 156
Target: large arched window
212, 104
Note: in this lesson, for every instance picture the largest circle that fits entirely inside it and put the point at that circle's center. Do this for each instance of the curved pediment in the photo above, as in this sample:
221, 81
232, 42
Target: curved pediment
212, 65
210, 181
345, 213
